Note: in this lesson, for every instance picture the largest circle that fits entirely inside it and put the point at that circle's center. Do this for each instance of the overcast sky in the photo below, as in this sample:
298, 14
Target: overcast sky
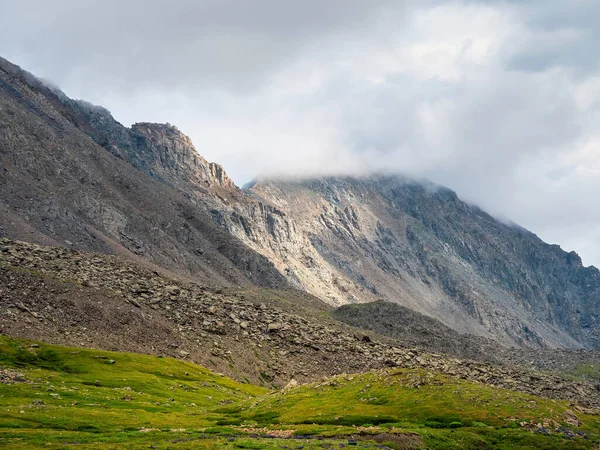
499, 100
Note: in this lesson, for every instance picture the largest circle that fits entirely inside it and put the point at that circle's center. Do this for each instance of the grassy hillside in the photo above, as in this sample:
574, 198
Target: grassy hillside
57, 397
446, 412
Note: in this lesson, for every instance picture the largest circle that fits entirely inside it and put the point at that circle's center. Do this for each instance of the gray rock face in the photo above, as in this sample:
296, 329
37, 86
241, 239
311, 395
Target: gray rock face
350, 240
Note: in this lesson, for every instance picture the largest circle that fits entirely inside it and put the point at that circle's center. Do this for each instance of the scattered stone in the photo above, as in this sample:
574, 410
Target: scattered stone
292, 384
173, 290
570, 418
284, 343
273, 327
134, 302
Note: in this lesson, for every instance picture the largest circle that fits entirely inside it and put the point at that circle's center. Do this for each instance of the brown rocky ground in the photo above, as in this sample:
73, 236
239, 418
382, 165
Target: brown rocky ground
263, 336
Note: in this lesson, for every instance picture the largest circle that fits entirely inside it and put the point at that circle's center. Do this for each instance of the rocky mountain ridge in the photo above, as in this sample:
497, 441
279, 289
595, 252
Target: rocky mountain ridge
59, 187
349, 240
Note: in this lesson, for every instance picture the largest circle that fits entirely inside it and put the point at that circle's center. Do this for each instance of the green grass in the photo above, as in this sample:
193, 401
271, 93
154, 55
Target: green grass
453, 412
105, 399
587, 371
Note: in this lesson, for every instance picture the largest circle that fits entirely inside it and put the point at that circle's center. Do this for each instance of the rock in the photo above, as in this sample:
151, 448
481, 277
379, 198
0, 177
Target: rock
22, 307
291, 384
134, 302
173, 290
570, 418
272, 327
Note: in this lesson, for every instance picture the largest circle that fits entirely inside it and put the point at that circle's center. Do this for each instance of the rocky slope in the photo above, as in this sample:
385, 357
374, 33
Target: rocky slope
418, 330
349, 240
80, 299
423, 332
58, 186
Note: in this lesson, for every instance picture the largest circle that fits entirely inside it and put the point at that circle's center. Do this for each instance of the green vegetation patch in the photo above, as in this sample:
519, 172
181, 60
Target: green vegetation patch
59, 397
409, 398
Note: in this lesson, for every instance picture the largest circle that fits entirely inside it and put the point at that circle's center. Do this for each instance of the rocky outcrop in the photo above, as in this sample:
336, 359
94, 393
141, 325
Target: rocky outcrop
349, 240
171, 156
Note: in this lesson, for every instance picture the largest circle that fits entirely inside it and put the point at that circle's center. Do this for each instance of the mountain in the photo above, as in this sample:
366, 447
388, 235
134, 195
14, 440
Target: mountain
349, 240
73, 176
58, 186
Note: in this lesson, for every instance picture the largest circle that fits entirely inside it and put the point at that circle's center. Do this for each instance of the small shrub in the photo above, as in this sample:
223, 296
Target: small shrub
351, 420
44, 358
266, 417
248, 444
231, 421
88, 428
455, 425
23, 357
433, 424
230, 410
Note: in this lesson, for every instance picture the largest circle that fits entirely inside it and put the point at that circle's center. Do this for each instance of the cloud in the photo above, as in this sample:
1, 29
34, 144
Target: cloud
499, 100
126, 45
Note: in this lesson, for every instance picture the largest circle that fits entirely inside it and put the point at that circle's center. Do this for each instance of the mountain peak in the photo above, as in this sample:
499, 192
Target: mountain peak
177, 160
155, 130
